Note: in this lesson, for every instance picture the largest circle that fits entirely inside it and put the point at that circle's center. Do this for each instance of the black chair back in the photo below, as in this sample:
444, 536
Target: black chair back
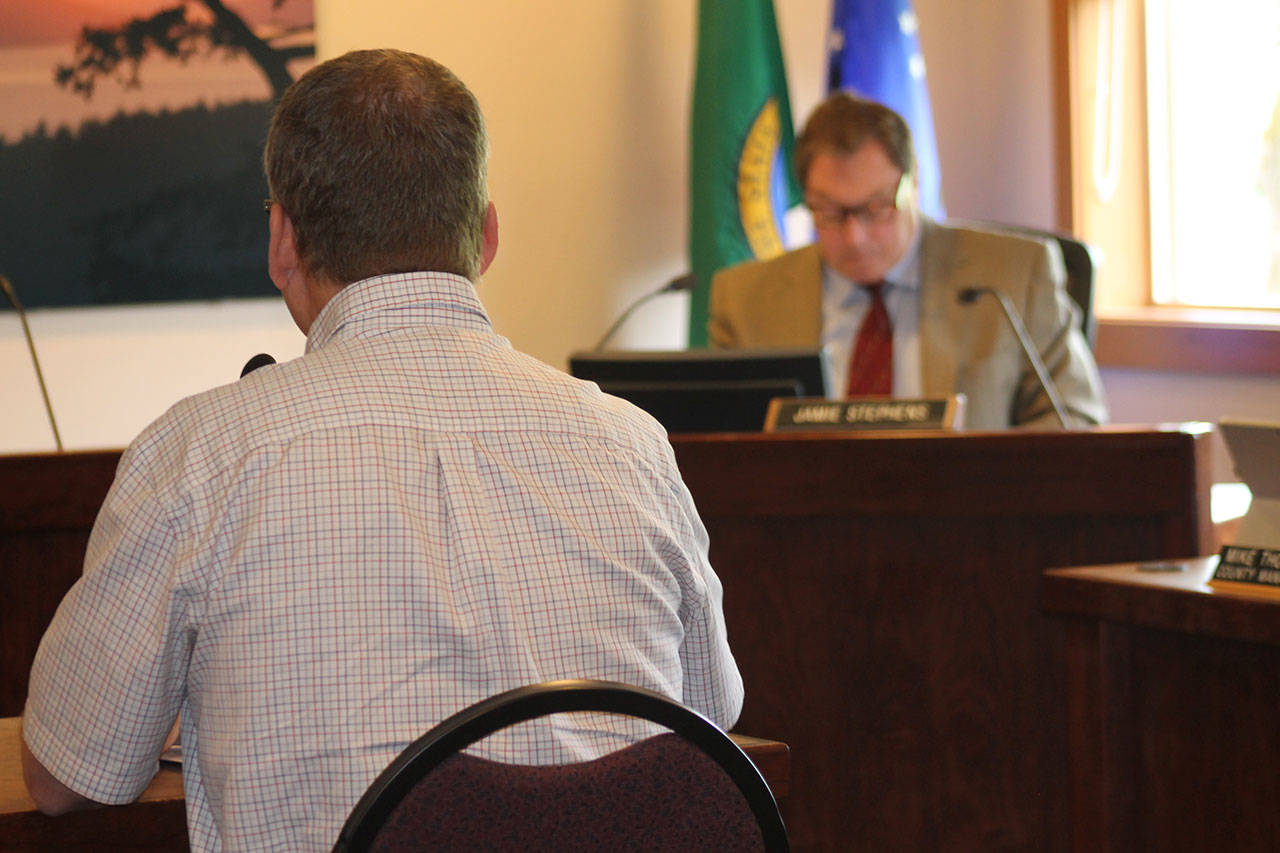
692, 789
1080, 260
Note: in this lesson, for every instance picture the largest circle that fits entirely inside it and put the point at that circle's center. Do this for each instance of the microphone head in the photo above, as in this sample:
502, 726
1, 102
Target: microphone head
968, 295
688, 281
259, 360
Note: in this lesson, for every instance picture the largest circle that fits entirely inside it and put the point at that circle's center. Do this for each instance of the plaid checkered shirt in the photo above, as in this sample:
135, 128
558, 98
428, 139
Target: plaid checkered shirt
317, 563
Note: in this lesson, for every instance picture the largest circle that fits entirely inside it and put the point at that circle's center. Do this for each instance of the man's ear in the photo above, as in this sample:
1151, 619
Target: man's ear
283, 264
489, 238
303, 299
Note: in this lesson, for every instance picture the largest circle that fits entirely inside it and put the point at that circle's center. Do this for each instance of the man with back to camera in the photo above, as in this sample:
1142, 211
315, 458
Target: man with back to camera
316, 564
856, 163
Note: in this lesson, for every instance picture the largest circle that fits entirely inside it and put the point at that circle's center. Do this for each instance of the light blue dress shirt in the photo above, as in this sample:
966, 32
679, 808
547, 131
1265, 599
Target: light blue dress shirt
845, 303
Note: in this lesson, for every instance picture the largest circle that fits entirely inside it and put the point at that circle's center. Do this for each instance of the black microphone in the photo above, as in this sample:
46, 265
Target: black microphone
35, 362
259, 360
688, 281
970, 294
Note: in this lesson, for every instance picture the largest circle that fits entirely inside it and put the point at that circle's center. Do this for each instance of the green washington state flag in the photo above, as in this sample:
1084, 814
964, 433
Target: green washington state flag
740, 177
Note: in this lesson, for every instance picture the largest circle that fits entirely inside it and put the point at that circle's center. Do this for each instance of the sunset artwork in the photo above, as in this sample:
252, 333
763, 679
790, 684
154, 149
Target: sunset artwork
130, 145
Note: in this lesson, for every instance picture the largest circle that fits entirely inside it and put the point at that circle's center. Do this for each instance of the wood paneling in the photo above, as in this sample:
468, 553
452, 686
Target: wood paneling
48, 503
1191, 341
882, 601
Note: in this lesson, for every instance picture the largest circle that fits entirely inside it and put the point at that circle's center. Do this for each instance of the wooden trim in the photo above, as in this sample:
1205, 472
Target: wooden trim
1190, 340
1060, 42
1118, 226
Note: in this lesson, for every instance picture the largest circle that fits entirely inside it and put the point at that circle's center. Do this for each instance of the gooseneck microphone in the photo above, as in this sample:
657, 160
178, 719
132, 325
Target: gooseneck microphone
259, 360
677, 285
35, 362
970, 294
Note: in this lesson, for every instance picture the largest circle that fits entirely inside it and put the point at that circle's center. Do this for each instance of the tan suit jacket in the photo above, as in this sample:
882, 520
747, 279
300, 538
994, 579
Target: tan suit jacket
968, 349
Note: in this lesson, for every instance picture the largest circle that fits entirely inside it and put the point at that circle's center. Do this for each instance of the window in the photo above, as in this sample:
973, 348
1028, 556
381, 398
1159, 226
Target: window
1171, 168
1175, 148
1213, 125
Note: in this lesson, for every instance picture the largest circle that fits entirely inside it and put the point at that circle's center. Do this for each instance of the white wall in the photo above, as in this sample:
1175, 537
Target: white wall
990, 81
587, 104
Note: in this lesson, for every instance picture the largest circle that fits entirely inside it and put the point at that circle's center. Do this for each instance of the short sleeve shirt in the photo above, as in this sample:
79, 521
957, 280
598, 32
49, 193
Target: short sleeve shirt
317, 563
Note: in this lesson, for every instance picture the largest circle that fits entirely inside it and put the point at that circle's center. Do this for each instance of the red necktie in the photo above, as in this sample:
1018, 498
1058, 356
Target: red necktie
871, 366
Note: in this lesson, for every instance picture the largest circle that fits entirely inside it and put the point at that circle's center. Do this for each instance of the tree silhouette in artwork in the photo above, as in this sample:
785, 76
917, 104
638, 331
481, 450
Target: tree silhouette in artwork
118, 52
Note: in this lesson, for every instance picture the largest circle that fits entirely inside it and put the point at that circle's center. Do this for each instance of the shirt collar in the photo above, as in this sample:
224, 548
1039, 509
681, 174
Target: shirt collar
397, 300
905, 273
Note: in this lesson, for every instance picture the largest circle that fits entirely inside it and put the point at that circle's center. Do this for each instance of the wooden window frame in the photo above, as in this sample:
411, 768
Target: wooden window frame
1132, 331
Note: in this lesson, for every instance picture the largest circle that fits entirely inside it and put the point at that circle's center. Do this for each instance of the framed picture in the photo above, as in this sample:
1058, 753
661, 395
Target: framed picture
131, 137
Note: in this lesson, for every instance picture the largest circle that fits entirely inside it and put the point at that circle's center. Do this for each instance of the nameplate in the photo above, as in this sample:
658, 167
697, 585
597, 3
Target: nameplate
1251, 568
816, 414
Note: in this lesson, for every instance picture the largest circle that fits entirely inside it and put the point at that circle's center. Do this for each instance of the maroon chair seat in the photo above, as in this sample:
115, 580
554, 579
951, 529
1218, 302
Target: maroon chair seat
692, 789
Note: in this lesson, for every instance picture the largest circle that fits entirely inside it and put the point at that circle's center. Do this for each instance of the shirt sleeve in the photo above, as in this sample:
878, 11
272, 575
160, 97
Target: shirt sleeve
712, 684
107, 680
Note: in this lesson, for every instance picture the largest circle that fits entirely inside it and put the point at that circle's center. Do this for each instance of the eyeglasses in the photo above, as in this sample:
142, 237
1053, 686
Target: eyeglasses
267, 203
877, 211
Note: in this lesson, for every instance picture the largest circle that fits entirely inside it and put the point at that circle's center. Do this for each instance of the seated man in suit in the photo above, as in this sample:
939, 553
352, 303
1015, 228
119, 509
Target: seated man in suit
878, 259
318, 563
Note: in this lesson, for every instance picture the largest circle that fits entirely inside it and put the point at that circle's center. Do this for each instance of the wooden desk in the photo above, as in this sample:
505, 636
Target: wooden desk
1173, 695
158, 820
882, 598
772, 758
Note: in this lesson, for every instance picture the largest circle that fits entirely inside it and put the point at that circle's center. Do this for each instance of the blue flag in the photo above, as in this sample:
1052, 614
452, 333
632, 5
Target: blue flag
875, 52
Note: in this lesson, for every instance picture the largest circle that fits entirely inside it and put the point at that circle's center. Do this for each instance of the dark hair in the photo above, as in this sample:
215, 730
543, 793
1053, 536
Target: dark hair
379, 158
843, 123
